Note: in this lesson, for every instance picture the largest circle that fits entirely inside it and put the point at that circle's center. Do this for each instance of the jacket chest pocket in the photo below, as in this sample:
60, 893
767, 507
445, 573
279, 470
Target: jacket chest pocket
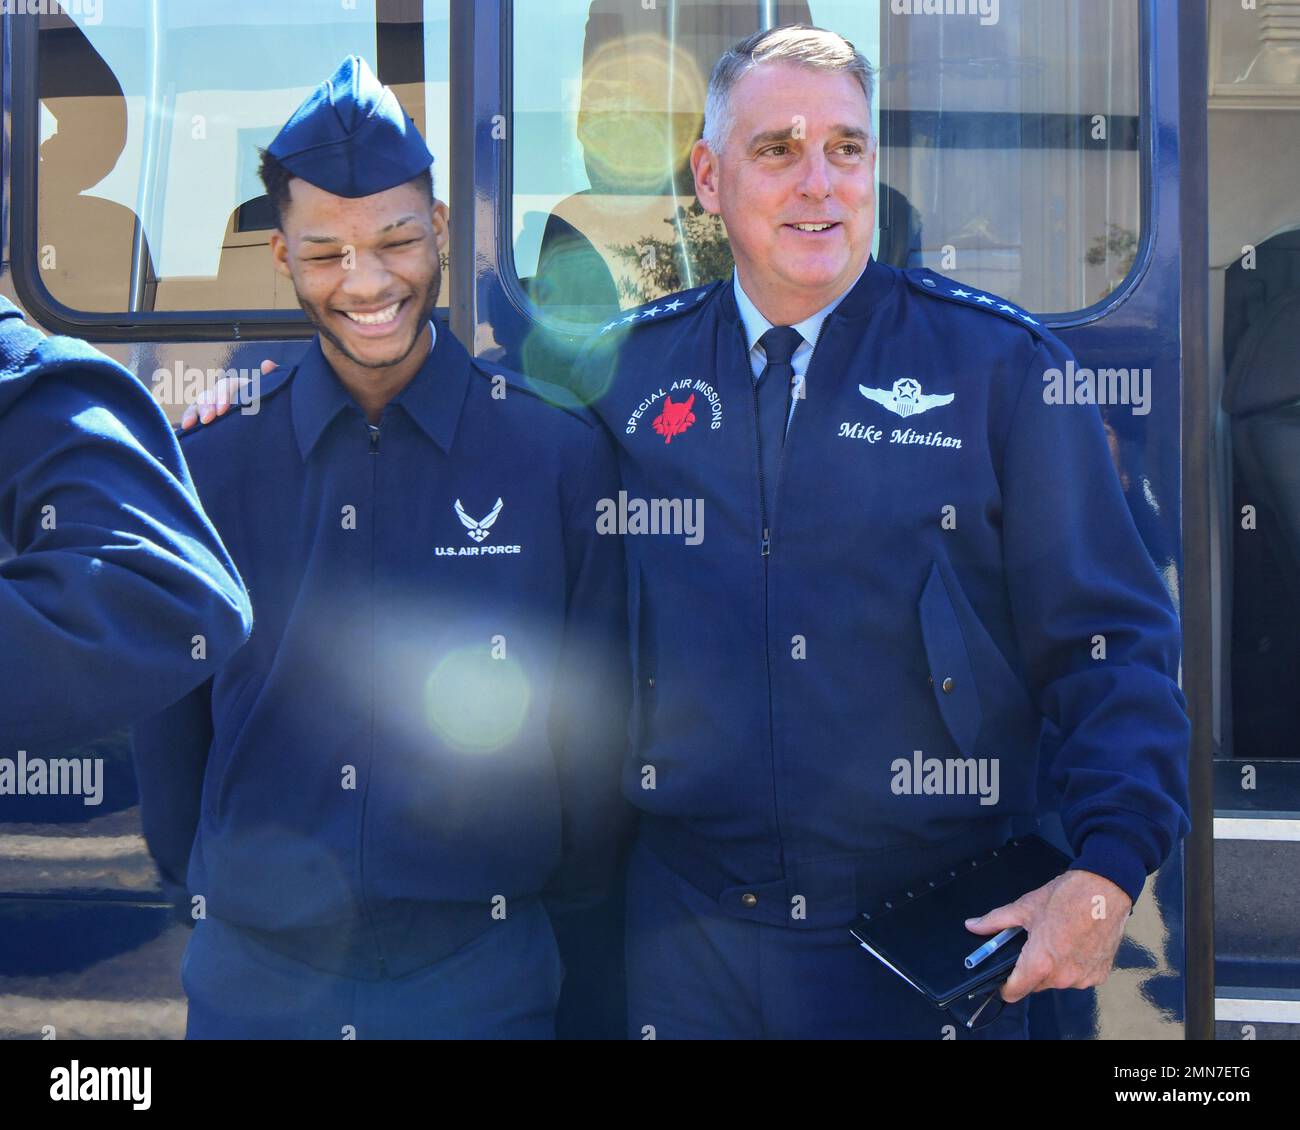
951, 674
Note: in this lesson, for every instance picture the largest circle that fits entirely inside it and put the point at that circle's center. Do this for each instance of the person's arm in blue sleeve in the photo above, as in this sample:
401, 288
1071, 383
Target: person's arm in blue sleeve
171, 757
589, 715
120, 597
1080, 579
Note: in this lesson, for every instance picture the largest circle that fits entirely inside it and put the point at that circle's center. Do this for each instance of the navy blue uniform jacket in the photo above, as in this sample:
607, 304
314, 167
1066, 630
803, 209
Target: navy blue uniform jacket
948, 555
118, 597
432, 709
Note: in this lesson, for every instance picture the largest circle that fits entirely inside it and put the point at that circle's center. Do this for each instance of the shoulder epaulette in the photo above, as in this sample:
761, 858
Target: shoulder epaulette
925, 281
670, 306
272, 383
548, 392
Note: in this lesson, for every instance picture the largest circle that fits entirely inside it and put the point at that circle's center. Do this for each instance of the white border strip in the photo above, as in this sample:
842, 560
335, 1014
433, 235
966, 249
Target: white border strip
1256, 828
1252, 1011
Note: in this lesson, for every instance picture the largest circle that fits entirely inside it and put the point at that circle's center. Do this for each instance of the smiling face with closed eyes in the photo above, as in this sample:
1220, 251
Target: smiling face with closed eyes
366, 273
794, 183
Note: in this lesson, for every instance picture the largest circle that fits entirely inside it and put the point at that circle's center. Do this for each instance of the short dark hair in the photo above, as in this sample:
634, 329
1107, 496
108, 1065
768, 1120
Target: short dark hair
276, 177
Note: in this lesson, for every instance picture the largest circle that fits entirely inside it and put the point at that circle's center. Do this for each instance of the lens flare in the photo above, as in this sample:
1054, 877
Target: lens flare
642, 108
476, 703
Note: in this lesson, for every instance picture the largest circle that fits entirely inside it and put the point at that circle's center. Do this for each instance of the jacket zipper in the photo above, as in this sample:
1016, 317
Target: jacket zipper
370, 768
765, 534
766, 544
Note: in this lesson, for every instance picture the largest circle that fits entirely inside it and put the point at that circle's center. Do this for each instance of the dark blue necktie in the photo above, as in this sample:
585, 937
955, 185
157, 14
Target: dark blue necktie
775, 384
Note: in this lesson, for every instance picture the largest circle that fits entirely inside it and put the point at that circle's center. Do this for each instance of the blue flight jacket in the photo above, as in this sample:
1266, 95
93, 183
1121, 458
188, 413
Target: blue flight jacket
431, 713
118, 597
951, 561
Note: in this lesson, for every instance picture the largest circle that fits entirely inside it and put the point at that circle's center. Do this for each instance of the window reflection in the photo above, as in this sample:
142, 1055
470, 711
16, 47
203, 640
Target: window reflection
1009, 150
151, 119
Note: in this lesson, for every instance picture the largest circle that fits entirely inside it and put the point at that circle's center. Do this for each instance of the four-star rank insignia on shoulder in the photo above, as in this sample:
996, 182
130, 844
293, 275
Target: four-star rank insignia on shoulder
938, 286
667, 307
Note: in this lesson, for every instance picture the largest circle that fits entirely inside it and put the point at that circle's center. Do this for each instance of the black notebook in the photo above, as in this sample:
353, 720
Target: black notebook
921, 934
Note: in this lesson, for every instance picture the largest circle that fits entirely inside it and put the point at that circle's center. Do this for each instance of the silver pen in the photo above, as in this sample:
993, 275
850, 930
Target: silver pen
994, 944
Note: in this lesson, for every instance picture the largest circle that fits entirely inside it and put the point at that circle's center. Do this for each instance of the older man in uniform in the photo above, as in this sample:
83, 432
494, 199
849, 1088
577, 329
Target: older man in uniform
422, 739
909, 547
117, 596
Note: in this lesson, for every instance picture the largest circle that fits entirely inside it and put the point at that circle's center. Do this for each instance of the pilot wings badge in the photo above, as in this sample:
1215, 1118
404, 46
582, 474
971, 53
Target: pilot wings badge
478, 531
906, 398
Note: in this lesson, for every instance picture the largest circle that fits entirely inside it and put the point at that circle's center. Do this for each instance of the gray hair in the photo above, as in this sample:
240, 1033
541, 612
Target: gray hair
800, 44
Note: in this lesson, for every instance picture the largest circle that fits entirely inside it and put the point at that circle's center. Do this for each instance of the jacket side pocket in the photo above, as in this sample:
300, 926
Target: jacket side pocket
227, 728
951, 674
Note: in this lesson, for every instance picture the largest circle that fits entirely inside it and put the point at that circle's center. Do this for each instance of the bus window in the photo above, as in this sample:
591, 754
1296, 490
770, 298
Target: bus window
1254, 229
151, 116
1009, 151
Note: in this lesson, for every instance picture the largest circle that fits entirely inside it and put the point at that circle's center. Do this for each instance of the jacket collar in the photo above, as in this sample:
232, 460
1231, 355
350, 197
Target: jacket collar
873, 284
433, 398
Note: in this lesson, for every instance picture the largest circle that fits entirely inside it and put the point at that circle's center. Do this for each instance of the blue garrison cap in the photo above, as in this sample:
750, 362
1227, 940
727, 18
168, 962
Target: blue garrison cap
351, 137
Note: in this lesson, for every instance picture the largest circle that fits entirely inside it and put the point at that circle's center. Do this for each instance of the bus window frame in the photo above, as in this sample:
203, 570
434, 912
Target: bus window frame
21, 40
522, 305
22, 37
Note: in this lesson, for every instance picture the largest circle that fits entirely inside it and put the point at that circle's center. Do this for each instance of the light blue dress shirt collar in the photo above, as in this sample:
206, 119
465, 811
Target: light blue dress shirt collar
756, 326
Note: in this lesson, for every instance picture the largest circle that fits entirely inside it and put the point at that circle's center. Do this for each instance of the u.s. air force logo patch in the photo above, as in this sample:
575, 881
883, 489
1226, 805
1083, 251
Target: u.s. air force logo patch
478, 530
906, 398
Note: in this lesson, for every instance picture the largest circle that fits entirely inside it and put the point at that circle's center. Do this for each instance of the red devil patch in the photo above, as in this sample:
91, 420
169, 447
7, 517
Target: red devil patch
675, 418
